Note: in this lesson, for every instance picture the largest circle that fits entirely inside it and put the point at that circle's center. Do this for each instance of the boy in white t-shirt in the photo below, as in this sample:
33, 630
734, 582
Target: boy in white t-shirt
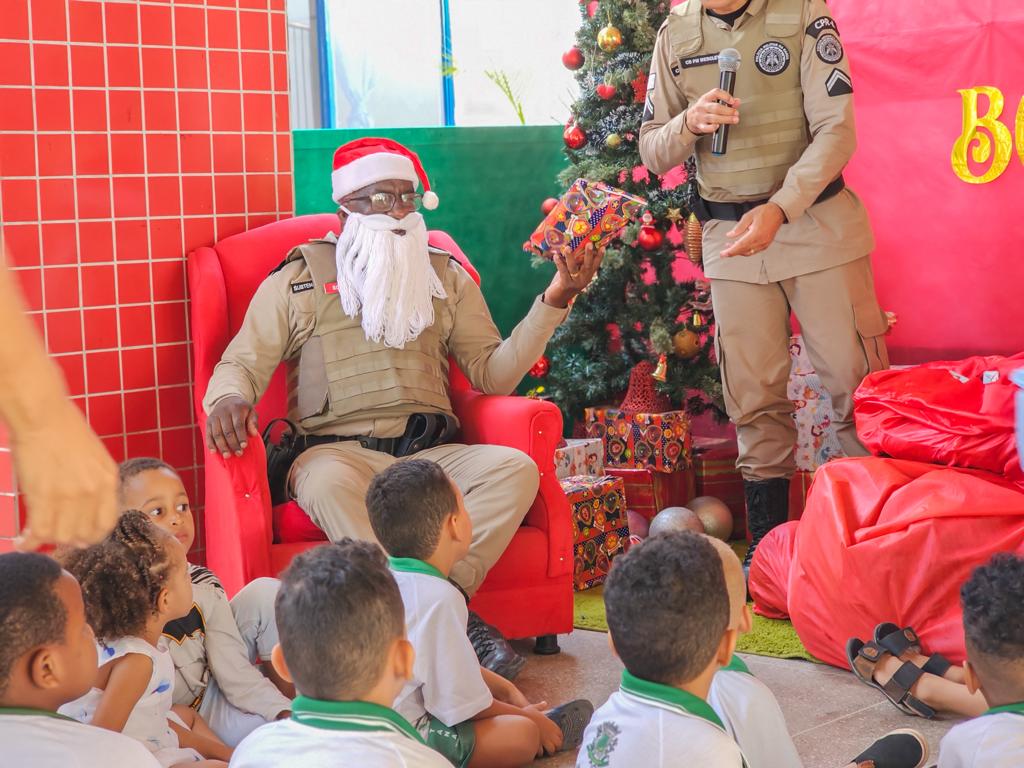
469, 714
48, 658
993, 604
342, 630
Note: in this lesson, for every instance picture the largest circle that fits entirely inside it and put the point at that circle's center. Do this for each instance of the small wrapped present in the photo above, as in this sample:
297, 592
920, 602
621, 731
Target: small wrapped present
589, 212
714, 465
658, 441
579, 457
816, 440
599, 527
648, 492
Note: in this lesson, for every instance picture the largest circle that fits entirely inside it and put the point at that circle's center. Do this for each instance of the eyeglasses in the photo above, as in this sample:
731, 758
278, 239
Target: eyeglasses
385, 202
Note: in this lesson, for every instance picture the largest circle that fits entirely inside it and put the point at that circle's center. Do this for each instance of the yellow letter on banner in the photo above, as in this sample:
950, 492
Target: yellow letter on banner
1020, 129
982, 150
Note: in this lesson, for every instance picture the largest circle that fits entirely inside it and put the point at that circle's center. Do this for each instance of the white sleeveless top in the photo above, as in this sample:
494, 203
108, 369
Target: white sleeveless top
148, 720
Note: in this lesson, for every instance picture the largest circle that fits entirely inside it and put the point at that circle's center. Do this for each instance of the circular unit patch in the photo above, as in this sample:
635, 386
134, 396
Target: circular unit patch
829, 49
772, 58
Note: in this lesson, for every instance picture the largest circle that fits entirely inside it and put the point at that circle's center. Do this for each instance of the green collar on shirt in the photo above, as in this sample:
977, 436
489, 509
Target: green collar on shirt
36, 712
1016, 709
737, 665
350, 716
412, 565
674, 697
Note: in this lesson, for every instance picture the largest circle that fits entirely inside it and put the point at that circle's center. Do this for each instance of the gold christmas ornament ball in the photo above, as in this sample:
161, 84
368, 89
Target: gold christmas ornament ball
686, 343
609, 38
676, 519
612, 140
715, 515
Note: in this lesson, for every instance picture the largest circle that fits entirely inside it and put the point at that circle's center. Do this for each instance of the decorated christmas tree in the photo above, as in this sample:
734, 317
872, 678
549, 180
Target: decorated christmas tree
648, 303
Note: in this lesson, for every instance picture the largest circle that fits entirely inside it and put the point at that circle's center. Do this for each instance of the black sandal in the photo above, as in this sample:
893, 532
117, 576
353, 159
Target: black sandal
864, 657
898, 641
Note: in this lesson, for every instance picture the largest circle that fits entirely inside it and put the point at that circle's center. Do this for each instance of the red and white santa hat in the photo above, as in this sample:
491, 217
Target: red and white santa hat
366, 161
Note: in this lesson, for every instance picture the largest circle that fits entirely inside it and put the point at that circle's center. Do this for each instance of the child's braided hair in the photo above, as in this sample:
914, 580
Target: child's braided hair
122, 576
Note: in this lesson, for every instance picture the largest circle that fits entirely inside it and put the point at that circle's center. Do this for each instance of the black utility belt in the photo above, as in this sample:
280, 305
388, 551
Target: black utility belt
706, 210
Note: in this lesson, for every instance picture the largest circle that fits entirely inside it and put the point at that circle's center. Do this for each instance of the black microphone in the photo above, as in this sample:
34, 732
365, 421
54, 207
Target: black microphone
728, 63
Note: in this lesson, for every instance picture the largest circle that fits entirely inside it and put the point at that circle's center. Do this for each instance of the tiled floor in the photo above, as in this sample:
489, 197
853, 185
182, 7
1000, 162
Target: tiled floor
831, 715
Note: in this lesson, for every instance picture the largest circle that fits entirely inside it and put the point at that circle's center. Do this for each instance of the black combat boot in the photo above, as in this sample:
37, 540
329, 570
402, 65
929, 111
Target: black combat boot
767, 507
492, 649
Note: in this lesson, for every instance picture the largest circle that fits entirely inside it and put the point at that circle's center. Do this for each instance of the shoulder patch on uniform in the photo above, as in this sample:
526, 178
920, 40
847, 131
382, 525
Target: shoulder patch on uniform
772, 58
699, 61
838, 83
600, 748
821, 24
828, 48
649, 98
304, 285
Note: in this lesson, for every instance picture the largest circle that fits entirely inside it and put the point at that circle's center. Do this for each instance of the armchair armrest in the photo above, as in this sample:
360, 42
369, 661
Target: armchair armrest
534, 427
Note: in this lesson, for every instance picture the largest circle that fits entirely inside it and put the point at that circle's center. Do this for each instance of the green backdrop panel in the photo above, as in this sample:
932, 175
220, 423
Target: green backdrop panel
491, 182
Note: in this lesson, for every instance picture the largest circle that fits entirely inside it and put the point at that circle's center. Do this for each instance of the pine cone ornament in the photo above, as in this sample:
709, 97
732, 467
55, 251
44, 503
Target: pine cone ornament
692, 240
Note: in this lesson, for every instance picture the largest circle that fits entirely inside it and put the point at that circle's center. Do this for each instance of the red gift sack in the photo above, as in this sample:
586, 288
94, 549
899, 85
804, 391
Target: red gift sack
956, 413
888, 540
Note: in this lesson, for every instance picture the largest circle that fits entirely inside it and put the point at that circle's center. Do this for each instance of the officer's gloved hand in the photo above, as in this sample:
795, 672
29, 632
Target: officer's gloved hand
229, 426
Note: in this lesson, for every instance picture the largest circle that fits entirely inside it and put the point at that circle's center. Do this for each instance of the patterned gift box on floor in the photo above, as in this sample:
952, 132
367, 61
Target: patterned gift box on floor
648, 492
599, 526
816, 440
579, 457
657, 441
714, 465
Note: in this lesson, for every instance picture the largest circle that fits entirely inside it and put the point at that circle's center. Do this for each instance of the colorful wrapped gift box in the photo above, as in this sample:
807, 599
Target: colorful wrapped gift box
714, 465
599, 527
657, 441
589, 212
816, 440
579, 457
648, 492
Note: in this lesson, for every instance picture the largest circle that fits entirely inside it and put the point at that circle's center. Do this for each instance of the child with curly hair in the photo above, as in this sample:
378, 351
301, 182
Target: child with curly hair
133, 583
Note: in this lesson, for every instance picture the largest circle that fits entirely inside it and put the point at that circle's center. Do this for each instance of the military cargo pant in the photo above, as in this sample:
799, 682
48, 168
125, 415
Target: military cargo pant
499, 485
843, 330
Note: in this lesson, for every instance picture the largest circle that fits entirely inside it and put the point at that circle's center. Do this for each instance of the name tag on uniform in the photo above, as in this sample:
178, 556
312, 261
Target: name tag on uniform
331, 287
306, 285
699, 61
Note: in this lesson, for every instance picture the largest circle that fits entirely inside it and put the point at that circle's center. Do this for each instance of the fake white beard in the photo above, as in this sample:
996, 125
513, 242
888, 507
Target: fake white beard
387, 276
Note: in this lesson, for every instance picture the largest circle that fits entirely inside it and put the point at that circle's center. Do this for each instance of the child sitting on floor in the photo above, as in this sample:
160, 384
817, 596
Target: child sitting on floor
216, 646
342, 627
48, 658
993, 603
469, 714
668, 621
133, 583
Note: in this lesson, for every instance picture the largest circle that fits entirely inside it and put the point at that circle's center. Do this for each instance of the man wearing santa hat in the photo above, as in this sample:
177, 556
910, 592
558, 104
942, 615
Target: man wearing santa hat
366, 322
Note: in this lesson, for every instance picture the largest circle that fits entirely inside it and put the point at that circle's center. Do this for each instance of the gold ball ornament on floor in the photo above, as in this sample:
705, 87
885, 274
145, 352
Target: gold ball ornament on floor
715, 516
686, 344
612, 140
676, 519
609, 39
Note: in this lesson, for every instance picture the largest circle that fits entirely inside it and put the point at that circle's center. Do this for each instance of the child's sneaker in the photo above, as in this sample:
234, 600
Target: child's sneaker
903, 748
572, 719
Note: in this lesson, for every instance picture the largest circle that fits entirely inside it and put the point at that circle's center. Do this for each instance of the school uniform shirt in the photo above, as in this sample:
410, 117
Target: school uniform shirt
446, 679
994, 740
336, 734
751, 715
654, 725
34, 737
206, 647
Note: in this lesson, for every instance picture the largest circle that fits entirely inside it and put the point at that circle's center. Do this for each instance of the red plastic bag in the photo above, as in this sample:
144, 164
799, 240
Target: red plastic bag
888, 540
951, 413
769, 571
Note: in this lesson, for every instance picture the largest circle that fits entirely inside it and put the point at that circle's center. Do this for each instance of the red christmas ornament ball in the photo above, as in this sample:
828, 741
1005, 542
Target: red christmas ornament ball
540, 368
573, 58
574, 136
649, 239
605, 91
592, 8
548, 205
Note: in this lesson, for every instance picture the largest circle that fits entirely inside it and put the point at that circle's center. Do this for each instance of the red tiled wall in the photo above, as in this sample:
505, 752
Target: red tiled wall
131, 133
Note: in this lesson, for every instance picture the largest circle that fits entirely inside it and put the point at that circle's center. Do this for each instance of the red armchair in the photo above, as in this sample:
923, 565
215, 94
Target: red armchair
528, 593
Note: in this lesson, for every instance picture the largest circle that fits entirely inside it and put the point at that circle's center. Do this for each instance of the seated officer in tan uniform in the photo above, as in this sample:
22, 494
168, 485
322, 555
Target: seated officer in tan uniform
782, 232
367, 322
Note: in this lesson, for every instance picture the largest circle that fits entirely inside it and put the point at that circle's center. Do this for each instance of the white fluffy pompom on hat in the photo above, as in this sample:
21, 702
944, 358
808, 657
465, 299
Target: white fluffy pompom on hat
366, 161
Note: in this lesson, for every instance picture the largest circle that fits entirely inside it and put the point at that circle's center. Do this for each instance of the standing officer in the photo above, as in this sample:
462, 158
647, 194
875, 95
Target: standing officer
781, 231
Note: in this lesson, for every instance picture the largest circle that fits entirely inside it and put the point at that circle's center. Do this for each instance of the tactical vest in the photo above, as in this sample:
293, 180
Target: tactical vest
772, 133
338, 373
